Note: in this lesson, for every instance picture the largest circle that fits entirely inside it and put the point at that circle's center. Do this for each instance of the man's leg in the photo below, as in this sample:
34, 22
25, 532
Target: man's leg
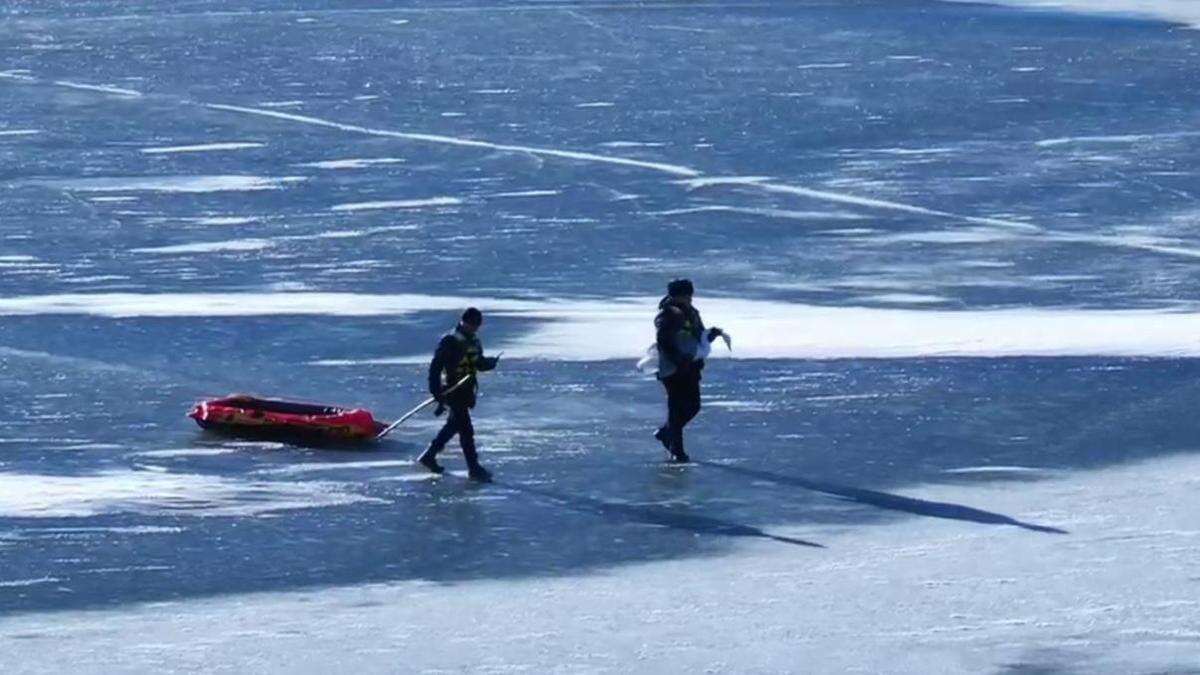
428, 459
677, 415
466, 438
461, 415
664, 433
690, 393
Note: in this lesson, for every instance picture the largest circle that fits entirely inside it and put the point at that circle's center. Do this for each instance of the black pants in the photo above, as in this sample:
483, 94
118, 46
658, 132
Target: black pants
458, 422
683, 403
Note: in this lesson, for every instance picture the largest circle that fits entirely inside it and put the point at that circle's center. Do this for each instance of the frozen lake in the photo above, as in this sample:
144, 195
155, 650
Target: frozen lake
955, 244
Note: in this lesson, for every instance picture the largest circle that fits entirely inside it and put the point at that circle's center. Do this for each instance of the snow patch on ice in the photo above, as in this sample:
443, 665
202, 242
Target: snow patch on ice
1179, 11
185, 452
119, 529
823, 66
336, 466
158, 493
224, 220
995, 469
1111, 140
17, 583
206, 147
913, 152
355, 163
765, 329
905, 299
527, 193
233, 245
739, 406
766, 212
116, 305
632, 144
183, 184
561, 328
20, 75
968, 236
398, 204
104, 89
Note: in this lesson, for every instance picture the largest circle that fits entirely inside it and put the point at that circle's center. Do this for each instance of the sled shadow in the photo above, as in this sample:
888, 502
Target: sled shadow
654, 515
294, 439
884, 500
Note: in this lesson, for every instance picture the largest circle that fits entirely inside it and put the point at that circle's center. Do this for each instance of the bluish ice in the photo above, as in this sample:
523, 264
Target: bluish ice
955, 244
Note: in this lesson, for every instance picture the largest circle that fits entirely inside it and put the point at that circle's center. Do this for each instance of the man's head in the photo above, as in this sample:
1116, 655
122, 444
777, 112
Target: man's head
681, 290
471, 320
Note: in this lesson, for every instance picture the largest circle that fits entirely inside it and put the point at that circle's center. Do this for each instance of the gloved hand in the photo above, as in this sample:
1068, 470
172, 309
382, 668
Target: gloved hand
714, 333
439, 410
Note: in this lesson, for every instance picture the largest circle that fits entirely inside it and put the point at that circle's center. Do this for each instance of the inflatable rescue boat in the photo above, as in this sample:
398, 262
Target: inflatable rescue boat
243, 415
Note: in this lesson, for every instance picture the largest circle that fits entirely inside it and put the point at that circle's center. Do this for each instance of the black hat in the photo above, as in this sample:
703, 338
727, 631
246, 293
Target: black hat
681, 287
472, 316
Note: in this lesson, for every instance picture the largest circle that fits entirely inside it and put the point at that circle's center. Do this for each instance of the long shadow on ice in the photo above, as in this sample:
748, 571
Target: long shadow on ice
653, 515
884, 500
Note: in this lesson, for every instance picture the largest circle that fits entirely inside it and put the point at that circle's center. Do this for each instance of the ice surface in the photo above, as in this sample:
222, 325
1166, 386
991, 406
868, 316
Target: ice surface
872, 197
918, 596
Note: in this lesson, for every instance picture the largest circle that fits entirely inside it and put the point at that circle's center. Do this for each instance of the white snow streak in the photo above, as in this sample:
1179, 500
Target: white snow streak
233, 245
1179, 11
352, 163
463, 142
564, 329
188, 184
207, 147
157, 493
399, 204
104, 89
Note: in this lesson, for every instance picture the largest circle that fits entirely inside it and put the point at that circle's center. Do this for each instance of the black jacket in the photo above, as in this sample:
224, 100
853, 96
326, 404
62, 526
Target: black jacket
678, 331
458, 355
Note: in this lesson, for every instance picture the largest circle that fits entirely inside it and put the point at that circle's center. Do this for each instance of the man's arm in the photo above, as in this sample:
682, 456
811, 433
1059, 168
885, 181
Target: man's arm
485, 362
437, 364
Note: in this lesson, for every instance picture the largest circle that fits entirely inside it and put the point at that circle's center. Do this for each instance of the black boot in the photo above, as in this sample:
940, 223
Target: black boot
662, 437
676, 449
479, 474
428, 459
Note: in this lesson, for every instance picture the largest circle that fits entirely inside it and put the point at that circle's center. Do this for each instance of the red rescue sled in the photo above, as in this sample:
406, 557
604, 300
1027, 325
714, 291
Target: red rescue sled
243, 415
